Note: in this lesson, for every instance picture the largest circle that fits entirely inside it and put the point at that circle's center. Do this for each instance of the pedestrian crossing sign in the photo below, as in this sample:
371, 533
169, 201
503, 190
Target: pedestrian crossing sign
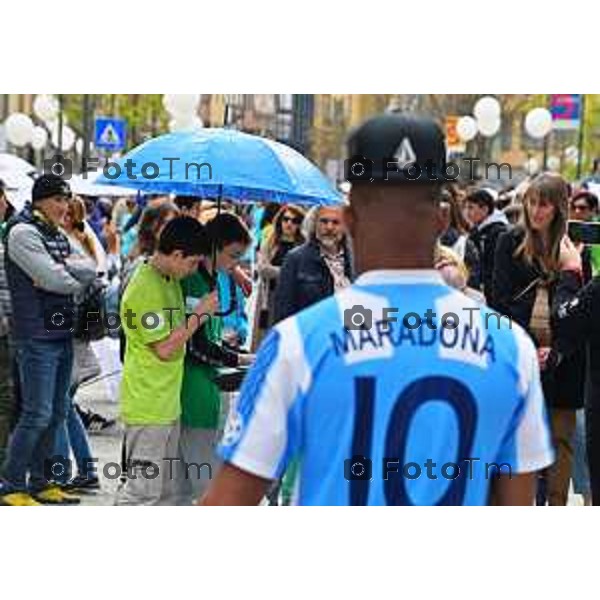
110, 133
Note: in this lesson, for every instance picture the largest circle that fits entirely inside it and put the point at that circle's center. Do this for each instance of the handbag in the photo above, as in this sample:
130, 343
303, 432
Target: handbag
90, 313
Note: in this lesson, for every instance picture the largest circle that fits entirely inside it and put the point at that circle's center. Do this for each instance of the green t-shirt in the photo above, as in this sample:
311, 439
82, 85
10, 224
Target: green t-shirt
151, 387
200, 396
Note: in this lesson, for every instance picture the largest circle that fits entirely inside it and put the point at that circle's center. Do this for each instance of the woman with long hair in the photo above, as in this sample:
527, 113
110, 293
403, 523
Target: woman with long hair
525, 276
284, 235
152, 222
72, 437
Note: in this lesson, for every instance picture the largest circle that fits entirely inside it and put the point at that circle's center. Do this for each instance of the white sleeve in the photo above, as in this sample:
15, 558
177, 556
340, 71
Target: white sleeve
262, 430
528, 445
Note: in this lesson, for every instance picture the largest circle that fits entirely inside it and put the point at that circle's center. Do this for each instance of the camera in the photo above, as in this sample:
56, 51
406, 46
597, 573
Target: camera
59, 166
358, 168
59, 318
358, 468
57, 467
358, 317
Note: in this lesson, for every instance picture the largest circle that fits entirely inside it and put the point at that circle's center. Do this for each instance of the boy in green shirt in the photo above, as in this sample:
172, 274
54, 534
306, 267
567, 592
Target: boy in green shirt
200, 396
156, 328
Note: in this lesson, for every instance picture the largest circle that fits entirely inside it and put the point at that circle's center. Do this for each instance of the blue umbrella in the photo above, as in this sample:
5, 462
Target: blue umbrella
222, 164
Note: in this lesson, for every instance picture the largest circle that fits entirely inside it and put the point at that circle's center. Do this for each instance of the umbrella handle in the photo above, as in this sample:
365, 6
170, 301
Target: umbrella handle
213, 283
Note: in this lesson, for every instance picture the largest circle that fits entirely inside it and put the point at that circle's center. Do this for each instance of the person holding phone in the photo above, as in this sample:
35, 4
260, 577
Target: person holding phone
576, 319
525, 274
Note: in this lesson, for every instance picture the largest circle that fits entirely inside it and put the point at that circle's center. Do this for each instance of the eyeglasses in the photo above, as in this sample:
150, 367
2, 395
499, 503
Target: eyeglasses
294, 220
325, 221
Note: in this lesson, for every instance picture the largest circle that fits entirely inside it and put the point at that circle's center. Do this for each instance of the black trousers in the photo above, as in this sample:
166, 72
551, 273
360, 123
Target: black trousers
592, 428
592, 435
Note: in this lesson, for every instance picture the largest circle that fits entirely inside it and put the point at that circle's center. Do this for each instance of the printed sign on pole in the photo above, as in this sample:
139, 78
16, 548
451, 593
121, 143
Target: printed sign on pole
566, 110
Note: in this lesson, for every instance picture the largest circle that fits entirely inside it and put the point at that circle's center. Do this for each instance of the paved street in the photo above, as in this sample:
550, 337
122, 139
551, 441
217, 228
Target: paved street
106, 446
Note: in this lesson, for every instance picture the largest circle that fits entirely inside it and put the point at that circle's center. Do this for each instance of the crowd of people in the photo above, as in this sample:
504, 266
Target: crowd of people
221, 283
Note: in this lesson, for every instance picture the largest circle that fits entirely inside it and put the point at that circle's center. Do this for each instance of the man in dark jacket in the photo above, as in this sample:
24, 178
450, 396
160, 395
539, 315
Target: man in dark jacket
488, 223
43, 275
318, 268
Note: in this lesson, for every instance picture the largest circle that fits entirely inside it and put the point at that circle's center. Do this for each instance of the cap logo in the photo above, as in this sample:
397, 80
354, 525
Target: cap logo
404, 154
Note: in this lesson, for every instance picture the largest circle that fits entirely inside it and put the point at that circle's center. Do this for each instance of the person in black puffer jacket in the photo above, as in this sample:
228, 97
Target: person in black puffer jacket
525, 276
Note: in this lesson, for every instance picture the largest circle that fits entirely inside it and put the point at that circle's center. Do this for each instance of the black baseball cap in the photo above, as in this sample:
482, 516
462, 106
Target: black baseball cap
396, 147
47, 186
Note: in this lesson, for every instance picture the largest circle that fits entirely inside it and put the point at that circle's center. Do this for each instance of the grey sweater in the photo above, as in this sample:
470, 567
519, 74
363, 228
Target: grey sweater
27, 251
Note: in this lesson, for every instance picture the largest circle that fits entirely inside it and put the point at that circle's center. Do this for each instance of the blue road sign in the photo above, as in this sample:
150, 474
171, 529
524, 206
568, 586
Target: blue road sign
110, 133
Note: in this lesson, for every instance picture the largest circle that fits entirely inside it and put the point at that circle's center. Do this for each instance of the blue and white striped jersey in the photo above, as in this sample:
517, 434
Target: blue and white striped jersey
397, 413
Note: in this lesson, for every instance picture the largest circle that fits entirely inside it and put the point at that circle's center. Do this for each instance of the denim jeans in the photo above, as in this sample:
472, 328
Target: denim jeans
72, 436
45, 375
581, 477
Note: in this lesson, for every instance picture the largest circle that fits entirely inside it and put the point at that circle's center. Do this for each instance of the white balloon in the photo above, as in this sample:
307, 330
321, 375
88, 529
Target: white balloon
45, 107
79, 146
553, 163
169, 101
185, 123
532, 166
487, 108
488, 127
68, 138
181, 105
39, 138
538, 123
19, 129
466, 128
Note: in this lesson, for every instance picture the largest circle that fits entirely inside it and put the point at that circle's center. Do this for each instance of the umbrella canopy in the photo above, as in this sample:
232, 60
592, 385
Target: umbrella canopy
18, 188
222, 163
87, 186
9, 163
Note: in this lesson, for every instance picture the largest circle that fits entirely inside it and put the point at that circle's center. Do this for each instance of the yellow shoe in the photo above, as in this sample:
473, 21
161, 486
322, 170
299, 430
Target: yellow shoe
18, 499
54, 495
